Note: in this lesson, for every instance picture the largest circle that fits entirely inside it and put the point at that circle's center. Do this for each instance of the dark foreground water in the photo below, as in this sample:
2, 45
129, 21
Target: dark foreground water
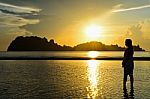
69, 79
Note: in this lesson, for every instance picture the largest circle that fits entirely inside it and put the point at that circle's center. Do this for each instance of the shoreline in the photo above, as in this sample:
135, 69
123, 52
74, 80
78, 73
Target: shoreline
73, 58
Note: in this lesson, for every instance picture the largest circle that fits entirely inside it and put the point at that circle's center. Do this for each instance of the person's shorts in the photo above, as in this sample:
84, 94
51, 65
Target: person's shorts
128, 71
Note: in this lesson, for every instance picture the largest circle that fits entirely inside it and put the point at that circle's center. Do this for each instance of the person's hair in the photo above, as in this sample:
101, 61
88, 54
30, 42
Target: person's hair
128, 42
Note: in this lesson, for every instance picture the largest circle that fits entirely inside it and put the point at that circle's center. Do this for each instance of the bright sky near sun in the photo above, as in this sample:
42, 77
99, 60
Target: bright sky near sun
71, 22
93, 31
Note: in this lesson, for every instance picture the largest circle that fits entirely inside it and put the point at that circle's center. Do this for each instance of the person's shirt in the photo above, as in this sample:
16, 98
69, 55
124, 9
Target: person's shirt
128, 57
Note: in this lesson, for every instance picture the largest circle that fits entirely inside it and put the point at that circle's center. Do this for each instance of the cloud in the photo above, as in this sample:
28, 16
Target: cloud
28, 33
139, 33
17, 9
13, 18
118, 6
132, 8
25, 12
13, 21
14, 13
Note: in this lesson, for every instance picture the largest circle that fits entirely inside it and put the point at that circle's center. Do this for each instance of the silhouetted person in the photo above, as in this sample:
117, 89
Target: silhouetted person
128, 64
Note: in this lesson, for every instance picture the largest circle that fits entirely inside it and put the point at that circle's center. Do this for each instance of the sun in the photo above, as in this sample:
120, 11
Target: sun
93, 54
93, 31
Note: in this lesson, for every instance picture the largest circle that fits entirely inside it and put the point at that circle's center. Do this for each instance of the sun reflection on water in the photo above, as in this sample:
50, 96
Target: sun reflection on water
93, 78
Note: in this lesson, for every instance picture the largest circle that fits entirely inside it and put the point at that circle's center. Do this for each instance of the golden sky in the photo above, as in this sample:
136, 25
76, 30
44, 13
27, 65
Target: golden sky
71, 22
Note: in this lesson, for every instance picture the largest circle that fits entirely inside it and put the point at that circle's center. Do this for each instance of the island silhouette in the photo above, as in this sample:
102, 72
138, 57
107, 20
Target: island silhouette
34, 43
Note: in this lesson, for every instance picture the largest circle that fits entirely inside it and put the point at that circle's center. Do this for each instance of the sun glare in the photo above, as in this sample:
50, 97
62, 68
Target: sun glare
93, 54
93, 31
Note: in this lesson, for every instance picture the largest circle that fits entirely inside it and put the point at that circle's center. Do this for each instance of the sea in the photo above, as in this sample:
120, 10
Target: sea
71, 79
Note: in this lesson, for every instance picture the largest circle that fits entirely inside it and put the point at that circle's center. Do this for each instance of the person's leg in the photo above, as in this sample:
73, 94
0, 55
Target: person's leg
131, 81
124, 81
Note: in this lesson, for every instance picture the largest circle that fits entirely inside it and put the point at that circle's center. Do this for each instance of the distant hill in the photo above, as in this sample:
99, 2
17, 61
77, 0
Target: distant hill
34, 43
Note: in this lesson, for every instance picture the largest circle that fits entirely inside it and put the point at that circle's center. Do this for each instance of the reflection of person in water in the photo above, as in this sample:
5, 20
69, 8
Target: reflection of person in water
128, 64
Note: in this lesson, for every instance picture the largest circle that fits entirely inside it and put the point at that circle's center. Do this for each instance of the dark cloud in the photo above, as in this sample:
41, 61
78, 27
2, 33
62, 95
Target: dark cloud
9, 12
17, 13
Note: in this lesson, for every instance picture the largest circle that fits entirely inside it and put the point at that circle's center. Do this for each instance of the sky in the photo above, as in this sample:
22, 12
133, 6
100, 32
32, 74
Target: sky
65, 21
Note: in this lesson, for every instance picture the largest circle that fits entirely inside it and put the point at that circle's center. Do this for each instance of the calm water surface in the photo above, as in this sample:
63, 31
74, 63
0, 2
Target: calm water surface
71, 54
70, 79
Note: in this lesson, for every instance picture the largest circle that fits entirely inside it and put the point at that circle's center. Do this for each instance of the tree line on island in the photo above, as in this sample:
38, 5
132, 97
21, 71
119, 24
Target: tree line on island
34, 43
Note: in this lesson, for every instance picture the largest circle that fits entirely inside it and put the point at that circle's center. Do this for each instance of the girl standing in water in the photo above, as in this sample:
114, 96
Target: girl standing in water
128, 64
